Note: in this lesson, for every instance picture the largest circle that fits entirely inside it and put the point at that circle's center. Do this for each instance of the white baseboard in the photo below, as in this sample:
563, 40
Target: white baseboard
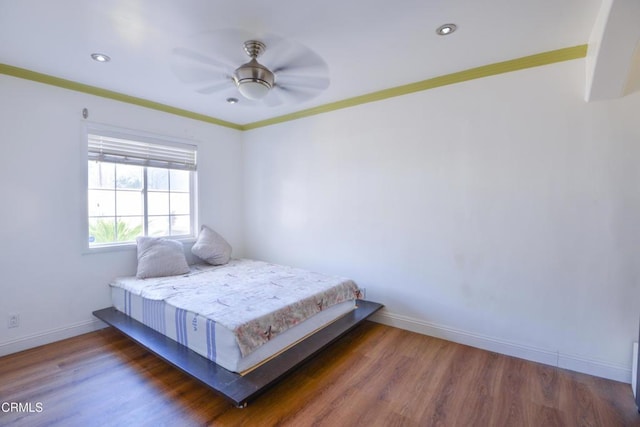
634, 369
50, 336
585, 365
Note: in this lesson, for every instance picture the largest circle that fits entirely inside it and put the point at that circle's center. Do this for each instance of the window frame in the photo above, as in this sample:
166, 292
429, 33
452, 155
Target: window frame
135, 135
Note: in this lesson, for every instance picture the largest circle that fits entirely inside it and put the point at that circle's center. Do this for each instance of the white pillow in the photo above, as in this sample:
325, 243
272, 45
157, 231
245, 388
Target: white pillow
211, 247
158, 257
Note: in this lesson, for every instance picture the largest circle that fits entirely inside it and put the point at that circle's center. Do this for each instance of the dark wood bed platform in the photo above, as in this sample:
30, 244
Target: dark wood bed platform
239, 389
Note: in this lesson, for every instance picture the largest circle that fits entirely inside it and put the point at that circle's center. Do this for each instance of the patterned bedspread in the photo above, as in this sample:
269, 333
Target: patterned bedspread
254, 299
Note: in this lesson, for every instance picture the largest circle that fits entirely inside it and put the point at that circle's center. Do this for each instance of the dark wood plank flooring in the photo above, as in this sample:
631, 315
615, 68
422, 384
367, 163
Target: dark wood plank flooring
374, 376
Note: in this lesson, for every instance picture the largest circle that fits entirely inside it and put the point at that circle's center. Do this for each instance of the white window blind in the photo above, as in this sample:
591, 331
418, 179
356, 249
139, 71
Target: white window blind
144, 153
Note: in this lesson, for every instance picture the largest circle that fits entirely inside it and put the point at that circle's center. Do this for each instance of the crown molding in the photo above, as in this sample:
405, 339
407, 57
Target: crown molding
104, 93
545, 58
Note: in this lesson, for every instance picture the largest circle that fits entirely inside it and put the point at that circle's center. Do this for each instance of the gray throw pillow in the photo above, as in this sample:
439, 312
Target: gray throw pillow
158, 257
211, 247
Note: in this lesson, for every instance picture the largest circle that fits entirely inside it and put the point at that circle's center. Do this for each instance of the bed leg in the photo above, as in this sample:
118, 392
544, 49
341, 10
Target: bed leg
241, 405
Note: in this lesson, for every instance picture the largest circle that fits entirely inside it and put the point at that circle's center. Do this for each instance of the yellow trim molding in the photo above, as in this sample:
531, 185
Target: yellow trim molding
461, 76
544, 58
104, 93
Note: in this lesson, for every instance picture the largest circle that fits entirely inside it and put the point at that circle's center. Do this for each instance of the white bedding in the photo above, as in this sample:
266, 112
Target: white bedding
238, 314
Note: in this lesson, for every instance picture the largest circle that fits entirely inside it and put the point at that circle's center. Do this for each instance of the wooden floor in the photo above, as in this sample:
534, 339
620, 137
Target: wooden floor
374, 376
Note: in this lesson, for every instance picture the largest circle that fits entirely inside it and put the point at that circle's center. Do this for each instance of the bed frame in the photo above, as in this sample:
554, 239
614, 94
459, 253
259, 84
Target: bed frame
239, 389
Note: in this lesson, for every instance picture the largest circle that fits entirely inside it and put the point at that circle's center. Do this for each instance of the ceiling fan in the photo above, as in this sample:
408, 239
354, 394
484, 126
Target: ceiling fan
288, 73
253, 79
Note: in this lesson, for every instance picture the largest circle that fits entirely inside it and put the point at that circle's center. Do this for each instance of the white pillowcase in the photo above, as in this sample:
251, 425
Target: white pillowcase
211, 247
158, 257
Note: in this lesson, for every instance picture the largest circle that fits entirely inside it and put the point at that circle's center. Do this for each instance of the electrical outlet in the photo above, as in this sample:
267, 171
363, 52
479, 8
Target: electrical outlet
14, 320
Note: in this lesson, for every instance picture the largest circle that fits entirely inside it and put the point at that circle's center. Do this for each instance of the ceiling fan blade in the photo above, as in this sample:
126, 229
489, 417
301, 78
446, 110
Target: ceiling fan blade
197, 74
216, 87
273, 99
297, 59
193, 56
298, 82
297, 95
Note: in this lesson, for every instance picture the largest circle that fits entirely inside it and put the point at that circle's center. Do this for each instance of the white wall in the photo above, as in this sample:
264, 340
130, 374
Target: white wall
45, 275
501, 212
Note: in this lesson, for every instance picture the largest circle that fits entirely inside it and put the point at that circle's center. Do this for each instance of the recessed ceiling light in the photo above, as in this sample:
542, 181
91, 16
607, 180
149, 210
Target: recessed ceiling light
232, 100
100, 57
446, 29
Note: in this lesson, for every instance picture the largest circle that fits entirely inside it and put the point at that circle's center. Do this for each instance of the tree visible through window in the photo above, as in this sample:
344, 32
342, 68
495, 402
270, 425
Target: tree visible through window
127, 197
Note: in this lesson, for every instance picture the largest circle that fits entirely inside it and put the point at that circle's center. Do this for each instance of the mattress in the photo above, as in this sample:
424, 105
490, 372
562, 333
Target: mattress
238, 315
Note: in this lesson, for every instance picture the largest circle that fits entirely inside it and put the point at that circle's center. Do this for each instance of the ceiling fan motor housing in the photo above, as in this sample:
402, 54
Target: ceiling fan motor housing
254, 71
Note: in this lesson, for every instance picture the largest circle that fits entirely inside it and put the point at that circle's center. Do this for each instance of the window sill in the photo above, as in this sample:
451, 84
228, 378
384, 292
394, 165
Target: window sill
127, 247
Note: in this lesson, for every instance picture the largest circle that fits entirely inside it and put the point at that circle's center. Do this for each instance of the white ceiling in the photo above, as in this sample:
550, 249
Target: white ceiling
368, 45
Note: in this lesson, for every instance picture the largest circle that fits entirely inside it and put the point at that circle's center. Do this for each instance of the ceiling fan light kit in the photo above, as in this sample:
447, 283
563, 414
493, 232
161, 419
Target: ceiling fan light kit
253, 79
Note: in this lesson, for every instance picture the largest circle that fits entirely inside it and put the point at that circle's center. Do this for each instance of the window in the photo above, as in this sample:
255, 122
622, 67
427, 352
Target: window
138, 186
